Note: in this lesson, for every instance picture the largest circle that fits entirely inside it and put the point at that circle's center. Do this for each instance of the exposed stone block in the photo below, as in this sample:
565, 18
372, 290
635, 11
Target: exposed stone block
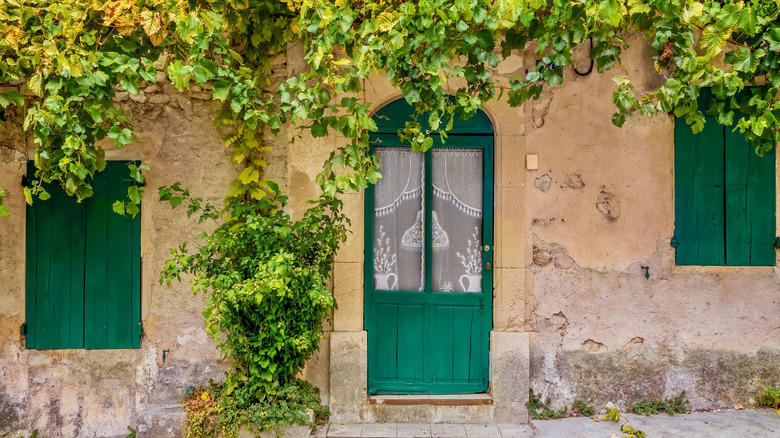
348, 375
509, 353
348, 292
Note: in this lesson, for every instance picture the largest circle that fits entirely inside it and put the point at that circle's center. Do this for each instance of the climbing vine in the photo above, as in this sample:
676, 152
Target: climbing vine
62, 63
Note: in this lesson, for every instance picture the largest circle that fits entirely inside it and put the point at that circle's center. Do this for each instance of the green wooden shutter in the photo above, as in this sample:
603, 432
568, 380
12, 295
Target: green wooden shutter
83, 268
750, 203
55, 275
698, 189
725, 197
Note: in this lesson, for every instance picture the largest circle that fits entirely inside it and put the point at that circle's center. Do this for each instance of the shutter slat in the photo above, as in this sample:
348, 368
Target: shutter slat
135, 299
31, 263
96, 261
684, 220
709, 201
761, 204
43, 259
77, 248
737, 169
58, 332
119, 286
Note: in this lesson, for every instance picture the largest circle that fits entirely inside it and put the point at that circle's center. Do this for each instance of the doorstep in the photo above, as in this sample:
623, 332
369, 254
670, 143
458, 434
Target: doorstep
433, 400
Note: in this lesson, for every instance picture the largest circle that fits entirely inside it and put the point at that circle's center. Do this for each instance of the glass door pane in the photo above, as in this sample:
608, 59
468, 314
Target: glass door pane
399, 237
457, 220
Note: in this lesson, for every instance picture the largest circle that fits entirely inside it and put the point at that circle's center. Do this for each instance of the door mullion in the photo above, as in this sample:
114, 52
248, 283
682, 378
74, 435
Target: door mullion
428, 320
428, 260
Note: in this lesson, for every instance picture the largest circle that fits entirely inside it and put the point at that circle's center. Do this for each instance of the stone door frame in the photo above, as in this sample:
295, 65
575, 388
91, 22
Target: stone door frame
509, 340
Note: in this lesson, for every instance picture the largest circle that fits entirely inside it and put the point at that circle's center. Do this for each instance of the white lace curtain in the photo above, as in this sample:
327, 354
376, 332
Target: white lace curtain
399, 241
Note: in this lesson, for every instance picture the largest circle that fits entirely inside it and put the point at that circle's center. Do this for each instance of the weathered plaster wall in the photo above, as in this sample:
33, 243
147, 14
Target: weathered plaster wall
69, 393
600, 207
572, 309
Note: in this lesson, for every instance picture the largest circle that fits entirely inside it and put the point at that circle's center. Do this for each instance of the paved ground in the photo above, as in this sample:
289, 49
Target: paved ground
762, 423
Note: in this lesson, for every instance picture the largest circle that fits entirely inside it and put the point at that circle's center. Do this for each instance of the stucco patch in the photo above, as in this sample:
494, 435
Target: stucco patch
594, 346
574, 181
609, 205
543, 183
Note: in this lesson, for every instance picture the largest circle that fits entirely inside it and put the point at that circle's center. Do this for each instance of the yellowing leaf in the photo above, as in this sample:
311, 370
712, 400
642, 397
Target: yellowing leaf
386, 21
249, 175
28, 195
204, 396
694, 10
638, 7
713, 40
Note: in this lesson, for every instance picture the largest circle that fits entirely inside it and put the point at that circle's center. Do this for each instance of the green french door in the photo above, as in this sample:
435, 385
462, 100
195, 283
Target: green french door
428, 278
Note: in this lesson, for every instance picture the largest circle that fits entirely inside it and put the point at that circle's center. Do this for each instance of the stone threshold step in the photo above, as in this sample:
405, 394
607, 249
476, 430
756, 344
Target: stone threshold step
435, 400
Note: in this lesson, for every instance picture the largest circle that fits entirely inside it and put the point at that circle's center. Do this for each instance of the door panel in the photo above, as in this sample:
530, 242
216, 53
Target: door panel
428, 292
458, 344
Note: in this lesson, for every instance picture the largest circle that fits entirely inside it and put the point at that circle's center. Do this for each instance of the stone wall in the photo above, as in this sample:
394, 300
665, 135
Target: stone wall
99, 393
599, 209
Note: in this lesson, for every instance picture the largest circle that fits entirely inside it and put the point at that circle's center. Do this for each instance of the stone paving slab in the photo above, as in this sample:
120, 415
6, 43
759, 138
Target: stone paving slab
447, 430
722, 424
413, 430
481, 430
763, 423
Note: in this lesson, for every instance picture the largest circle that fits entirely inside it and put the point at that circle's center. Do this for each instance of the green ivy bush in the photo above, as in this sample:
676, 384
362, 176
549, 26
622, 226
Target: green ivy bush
264, 278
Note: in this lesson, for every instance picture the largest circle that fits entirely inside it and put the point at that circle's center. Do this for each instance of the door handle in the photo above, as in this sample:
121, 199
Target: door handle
487, 266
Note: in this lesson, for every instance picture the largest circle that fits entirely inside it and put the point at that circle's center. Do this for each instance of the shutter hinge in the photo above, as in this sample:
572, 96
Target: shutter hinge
23, 329
777, 242
674, 241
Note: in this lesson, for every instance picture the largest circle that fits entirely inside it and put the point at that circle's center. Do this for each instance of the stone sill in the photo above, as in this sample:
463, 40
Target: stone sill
435, 400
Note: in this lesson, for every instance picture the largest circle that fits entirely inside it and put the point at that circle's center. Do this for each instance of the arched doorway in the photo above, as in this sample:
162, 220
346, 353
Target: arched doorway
428, 255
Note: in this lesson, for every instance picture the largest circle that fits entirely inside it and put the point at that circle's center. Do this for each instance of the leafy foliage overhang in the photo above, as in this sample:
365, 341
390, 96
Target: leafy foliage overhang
72, 56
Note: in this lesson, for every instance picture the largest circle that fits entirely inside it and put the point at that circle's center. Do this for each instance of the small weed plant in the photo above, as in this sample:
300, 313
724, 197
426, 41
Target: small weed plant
614, 415
540, 410
770, 396
671, 406
585, 408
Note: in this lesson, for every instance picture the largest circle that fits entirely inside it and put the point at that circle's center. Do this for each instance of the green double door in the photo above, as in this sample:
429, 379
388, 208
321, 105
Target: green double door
428, 278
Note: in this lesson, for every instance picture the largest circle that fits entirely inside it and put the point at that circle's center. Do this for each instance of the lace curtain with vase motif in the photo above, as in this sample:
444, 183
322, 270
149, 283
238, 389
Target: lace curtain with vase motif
399, 225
